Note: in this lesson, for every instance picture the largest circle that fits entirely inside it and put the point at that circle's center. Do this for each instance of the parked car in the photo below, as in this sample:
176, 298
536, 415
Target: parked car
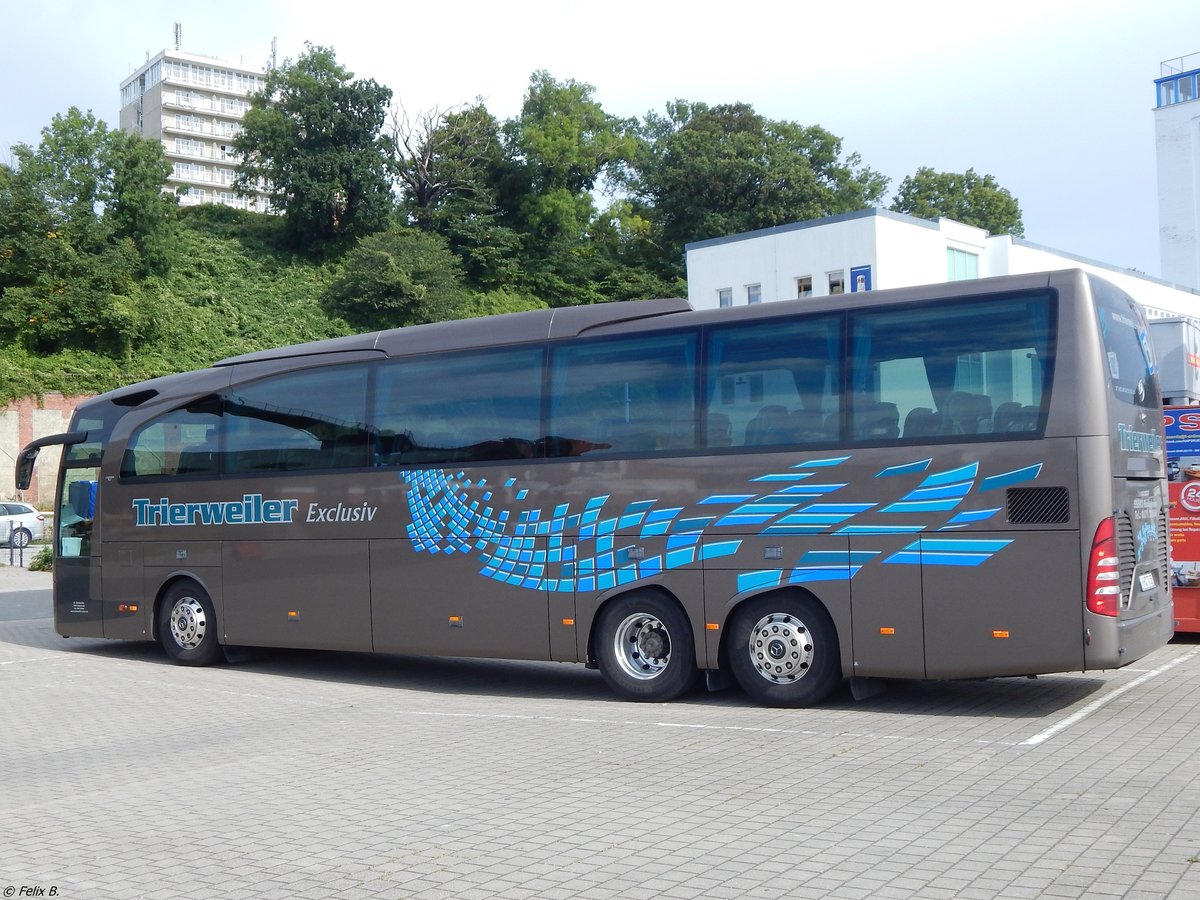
20, 521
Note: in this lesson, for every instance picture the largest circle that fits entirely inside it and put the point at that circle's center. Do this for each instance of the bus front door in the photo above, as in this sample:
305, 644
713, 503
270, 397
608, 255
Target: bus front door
78, 610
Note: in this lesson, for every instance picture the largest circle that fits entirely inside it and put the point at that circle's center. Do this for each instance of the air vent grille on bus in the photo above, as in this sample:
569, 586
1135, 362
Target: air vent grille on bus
1127, 554
1164, 549
1038, 506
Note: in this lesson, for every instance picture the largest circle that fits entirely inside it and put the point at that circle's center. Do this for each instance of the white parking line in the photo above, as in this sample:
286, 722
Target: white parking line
1086, 711
13, 662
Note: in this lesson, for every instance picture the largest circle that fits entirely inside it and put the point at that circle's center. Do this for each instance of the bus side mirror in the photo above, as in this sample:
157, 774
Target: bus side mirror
25, 467
29, 455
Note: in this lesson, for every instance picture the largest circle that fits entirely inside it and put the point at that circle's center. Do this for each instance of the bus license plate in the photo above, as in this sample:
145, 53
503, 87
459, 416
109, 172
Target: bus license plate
1146, 581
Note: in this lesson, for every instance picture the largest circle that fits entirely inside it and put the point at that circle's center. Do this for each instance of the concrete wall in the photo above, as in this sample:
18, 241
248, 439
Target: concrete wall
22, 421
776, 257
902, 251
1159, 297
1177, 142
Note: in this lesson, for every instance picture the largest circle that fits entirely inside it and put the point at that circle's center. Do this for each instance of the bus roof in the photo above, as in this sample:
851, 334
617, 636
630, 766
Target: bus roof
509, 328
541, 324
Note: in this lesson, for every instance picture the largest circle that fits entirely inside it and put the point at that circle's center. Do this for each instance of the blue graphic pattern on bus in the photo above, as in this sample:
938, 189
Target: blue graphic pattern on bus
593, 548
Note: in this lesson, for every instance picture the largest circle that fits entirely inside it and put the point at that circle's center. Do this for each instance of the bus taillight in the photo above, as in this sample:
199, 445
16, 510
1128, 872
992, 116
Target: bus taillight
1104, 574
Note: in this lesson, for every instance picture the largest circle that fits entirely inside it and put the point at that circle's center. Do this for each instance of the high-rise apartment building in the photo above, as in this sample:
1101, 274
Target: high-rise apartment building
194, 105
1177, 138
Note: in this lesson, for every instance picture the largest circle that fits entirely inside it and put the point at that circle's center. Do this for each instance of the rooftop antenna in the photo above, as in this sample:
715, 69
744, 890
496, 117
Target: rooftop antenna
178, 34
273, 52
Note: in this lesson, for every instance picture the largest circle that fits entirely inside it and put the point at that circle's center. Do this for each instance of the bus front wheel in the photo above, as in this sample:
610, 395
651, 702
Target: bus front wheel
783, 650
187, 625
644, 648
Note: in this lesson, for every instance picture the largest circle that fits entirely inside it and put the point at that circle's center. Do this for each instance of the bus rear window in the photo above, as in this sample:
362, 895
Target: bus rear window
1128, 356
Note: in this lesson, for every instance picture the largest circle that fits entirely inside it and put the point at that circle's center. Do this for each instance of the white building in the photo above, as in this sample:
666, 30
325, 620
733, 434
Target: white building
194, 105
1177, 139
875, 249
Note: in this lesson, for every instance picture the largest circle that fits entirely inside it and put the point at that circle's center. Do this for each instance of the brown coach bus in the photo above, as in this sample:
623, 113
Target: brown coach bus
955, 481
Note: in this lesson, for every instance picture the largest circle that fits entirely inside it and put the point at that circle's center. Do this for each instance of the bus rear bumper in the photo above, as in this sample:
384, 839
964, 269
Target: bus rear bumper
1111, 648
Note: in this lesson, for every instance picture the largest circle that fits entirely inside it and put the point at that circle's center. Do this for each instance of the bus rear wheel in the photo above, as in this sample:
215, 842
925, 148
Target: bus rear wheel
187, 625
644, 648
783, 650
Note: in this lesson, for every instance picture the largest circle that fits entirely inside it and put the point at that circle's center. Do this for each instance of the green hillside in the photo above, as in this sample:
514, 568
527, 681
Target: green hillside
230, 290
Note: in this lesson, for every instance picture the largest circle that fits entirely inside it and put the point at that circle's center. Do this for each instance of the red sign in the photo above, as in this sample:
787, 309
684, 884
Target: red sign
1189, 496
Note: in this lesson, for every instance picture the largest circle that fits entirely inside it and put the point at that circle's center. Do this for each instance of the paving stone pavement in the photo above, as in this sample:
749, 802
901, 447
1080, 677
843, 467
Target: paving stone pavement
309, 775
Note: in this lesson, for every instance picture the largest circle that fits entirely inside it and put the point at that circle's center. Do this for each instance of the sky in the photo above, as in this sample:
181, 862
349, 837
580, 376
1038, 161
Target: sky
1053, 98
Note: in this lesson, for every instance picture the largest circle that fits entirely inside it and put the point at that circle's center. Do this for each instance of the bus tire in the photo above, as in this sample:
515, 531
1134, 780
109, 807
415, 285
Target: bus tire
187, 625
644, 648
783, 650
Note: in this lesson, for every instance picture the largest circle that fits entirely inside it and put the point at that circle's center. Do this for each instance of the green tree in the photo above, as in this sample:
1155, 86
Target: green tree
444, 160
499, 302
312, 140
966, 197
558, 150
139, 209
402, 276
704, 171
448, 167
82, 218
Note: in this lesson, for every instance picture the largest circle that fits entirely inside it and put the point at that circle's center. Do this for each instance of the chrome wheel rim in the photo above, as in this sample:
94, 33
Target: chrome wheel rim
21, 537
642, 646
188, 623
781, 648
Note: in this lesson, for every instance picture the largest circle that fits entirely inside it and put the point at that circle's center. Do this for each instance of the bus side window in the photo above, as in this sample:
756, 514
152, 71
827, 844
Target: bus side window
312, 419
472, 406
624, 395
181, 442
774, 385
957, 372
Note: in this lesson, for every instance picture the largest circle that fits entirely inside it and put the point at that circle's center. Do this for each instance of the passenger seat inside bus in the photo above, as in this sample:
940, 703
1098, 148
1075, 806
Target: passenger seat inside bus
200, 459
922, 421
877, 421
1012, 416
770, 426
807, 426
720, 430
967, 413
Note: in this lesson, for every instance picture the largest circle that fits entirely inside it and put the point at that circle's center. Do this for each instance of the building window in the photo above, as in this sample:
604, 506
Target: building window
725, 297
189, 171
189, 147
753, 293
961, 265
1177, 89
837, 282
804, 287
